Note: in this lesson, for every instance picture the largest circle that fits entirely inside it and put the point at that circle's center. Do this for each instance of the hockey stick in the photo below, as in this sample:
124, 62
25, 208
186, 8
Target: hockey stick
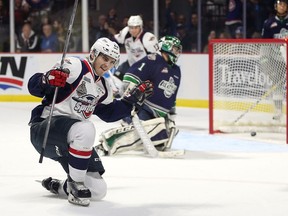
265, 95
56, 89
147, 143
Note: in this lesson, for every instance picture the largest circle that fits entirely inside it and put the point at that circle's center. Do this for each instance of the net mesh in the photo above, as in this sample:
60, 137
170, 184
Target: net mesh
249, 86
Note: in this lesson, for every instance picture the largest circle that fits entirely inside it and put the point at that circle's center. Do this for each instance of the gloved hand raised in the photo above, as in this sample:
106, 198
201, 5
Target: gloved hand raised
139, 93
56, 77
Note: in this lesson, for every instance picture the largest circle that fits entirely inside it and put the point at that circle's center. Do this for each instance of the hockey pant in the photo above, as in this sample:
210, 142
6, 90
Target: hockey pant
63, 147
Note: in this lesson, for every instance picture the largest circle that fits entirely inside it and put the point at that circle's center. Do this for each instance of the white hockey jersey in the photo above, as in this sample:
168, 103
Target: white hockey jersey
137, 48
88, 90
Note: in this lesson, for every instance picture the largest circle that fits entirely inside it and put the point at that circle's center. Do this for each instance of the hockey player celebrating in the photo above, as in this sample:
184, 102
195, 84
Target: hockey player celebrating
162, 71
138, 43
277, 27
82, 92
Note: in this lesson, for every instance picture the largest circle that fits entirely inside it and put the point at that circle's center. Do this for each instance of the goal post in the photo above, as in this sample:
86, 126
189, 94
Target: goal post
247, 86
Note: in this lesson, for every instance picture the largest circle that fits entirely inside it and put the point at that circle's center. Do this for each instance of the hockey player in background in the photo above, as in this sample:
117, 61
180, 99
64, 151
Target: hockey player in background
138, 43
82, 92
158, 111
275, 63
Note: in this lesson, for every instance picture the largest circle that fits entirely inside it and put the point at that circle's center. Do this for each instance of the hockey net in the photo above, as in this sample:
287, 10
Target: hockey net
247, 86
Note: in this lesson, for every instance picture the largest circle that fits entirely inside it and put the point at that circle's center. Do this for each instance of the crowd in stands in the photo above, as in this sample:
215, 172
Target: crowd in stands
39, 24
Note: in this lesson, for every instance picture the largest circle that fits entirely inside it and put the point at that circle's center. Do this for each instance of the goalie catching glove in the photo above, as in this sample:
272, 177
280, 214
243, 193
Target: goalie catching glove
56, 77
139, 93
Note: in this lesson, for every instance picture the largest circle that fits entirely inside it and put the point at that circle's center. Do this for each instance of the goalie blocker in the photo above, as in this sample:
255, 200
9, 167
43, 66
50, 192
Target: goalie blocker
125, 138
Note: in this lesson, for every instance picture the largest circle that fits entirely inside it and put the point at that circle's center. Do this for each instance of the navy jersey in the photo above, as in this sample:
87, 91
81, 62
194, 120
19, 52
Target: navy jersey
165, 78
84, 94
273, 26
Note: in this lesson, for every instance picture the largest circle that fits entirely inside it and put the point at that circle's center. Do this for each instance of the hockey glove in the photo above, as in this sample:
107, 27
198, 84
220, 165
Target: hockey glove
56, 77
139, 93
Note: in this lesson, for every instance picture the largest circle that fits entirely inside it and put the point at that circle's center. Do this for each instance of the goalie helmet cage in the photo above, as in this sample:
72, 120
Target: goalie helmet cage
247, 86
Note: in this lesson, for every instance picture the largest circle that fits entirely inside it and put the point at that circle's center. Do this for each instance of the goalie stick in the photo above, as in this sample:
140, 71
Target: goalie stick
56, 89
147, 143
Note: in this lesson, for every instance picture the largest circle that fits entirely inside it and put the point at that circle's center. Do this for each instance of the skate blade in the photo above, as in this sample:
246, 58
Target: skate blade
78, 201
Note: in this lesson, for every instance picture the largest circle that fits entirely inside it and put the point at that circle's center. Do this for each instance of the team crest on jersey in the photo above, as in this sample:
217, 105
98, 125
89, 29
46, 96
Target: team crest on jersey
168, 87
85, 105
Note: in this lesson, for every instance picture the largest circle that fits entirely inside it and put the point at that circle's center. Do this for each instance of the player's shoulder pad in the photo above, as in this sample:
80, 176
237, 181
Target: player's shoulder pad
150, 42
74, 65
120, 37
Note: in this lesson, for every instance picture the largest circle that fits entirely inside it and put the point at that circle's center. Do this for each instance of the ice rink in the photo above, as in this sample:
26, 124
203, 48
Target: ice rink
220, 175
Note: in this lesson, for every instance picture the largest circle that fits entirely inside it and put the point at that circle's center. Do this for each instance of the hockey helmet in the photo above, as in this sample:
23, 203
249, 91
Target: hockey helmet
135, 21
172, 46
106, 47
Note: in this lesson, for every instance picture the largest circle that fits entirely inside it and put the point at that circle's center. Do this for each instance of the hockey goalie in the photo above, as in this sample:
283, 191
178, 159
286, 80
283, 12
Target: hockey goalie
156, 113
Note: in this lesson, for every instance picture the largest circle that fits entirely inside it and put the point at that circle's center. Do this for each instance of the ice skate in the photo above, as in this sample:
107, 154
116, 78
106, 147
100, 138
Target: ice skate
51, 184
79, 194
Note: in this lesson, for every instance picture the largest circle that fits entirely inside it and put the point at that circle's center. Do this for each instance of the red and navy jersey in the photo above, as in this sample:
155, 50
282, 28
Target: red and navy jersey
273, 26
165, 78
84, 94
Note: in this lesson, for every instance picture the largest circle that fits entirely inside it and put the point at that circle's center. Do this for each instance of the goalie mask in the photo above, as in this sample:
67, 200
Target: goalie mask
106, 47
172, 46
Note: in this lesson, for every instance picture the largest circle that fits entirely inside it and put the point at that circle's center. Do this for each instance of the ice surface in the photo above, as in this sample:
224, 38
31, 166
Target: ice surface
222, 175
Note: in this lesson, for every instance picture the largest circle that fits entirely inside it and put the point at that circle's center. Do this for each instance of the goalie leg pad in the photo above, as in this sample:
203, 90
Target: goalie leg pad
125, 138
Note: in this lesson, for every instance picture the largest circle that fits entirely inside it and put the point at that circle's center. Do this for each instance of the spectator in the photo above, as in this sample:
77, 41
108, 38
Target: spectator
49, 40
61, 35
193, 31
21, 12
38, 10
233, 16
224, 35
212, 35
239, 32
27, 40
186, 40
4, 25
193, 6
112, 19
170, 26
256, 35
102, 29
256, 15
